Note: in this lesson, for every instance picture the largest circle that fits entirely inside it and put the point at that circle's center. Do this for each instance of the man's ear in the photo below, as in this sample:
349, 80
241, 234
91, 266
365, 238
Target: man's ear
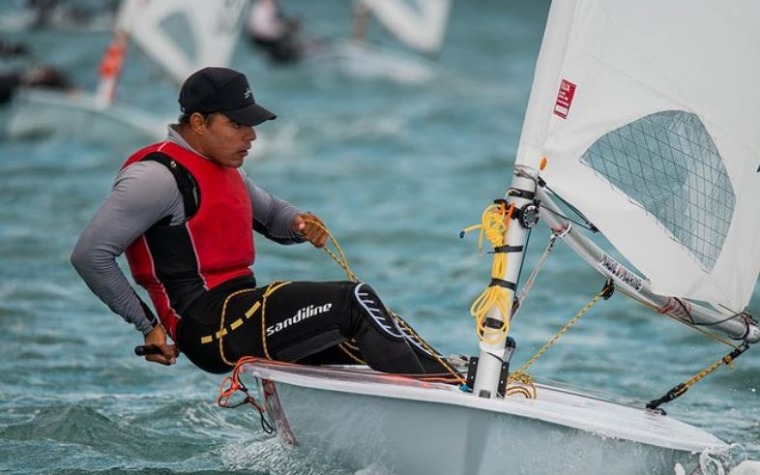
197, 122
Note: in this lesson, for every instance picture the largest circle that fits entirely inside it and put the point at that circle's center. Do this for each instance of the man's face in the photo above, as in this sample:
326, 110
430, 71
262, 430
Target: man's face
225, 141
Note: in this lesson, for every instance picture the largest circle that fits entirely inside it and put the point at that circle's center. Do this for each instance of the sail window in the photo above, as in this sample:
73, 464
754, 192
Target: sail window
668, 163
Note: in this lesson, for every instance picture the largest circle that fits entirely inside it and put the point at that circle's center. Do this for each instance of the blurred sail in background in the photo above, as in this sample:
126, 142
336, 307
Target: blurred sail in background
178, 36
421, 30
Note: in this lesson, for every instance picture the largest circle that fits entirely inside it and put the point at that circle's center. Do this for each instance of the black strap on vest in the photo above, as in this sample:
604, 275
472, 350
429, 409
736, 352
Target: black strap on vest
188, 188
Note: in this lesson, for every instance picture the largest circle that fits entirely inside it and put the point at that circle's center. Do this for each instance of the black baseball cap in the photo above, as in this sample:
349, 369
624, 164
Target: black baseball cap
222, 90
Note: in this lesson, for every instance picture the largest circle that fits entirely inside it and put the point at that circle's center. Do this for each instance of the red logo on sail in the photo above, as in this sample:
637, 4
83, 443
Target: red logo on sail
564, 98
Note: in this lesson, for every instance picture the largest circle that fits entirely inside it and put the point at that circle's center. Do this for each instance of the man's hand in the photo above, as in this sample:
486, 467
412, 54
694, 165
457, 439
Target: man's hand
157, 339
311, 228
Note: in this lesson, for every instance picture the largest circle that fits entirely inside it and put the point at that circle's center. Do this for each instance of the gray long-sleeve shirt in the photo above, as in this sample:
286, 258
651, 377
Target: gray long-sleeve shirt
143, 194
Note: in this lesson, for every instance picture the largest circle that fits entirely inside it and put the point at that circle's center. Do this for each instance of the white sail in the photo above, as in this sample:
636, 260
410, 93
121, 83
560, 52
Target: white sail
652, 134
421, 27
183, 36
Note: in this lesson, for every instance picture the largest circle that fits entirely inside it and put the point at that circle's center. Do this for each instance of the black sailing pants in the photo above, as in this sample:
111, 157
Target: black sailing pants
308, 322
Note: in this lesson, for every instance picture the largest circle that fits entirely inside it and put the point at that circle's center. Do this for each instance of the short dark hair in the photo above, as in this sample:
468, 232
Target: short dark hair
184, 118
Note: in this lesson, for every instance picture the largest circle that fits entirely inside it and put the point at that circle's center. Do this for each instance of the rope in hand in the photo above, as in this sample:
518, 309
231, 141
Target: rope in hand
338, 256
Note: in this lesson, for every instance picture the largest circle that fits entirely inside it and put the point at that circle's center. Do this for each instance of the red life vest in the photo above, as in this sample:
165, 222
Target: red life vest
177, 264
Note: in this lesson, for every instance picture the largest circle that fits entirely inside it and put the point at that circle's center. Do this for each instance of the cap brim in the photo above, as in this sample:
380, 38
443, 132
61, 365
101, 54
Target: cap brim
250, 115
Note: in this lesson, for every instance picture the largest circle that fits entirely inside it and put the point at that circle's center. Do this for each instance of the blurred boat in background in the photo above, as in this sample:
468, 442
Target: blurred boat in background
178, 36
421, 31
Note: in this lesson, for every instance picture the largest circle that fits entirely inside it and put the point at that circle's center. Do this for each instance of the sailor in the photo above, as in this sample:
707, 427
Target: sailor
183, 211
44, 77
269, 29
10, 49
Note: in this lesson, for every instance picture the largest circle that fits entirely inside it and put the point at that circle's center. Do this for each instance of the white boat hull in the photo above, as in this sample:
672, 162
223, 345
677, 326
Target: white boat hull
365, 61
39, 112
360, 419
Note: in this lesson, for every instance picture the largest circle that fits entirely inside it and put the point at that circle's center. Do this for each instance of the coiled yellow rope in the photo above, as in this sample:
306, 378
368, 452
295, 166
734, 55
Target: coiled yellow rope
494, 226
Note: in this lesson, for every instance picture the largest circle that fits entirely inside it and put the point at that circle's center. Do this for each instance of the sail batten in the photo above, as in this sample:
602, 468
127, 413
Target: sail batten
657, 146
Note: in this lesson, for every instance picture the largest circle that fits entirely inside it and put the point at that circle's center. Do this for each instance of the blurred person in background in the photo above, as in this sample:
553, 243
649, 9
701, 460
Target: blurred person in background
9, 49
46, 77
277, 34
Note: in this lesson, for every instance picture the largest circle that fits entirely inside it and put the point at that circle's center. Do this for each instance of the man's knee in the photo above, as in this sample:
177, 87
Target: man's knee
374, 312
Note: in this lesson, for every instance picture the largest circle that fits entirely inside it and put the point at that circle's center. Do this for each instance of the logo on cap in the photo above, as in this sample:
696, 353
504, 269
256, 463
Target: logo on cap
247, 94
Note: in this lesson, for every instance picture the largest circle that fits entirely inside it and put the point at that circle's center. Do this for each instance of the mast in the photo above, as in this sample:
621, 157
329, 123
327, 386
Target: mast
112, 62
494, 354
110, 68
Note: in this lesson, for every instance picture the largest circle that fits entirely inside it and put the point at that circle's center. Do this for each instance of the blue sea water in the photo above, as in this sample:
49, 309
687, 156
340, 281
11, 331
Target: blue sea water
395, 171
